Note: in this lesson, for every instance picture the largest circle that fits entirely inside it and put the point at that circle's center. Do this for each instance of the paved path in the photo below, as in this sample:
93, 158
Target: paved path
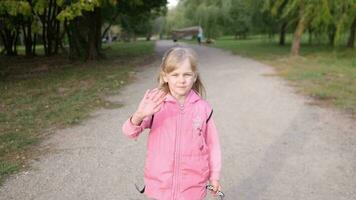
275, 144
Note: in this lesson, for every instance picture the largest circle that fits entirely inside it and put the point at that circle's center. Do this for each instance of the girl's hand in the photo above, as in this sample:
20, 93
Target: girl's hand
150, 104
217, 187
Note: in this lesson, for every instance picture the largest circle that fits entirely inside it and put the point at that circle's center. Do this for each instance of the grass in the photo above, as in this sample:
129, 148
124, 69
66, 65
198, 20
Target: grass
325, 73
61, 95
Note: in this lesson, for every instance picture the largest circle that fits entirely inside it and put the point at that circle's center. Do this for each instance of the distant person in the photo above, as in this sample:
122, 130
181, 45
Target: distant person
183, 150
199, 39
175, 39
200, 35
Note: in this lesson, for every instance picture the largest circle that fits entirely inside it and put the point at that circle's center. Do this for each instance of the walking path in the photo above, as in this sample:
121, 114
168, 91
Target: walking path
275, 144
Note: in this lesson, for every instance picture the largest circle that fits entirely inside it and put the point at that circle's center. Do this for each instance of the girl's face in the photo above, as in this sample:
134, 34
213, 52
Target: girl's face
180, 80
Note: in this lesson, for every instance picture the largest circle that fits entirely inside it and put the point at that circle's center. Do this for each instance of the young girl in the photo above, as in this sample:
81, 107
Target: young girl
183, 151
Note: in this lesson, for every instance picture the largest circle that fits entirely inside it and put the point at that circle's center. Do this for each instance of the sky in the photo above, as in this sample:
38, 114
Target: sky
172, 3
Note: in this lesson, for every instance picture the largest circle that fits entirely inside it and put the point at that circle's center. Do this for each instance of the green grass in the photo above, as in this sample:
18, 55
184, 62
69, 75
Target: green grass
7, 168
326, 73
61, 96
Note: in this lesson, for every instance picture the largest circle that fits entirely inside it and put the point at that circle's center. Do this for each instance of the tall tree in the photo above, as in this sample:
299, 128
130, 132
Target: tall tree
349, 19
30, 28
137, 18
47, 11
12, 14
351, 40
239, 17
205, 13
305, 13
277, 15
85, 19
83, 27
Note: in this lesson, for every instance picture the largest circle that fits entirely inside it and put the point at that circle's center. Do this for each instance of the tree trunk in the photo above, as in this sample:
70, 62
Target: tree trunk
44, 38
27, 33
74, 37
282, 36
15, 41
148, 36
332, 34
9, 39
57, 38
50, 28
298, 33
113, 19
60, 37
34, 44
310, 40
351, 40
84, 34
94, 35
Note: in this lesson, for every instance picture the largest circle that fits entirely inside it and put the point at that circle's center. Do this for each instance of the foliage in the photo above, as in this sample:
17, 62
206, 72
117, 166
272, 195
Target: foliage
330, 18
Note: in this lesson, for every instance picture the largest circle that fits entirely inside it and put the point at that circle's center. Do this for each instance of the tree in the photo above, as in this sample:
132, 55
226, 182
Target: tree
276, 11
205, 13
239, 17
85, 19
305, 13
137, 18
176, 19
83, 27
12, 14
351, 40
348, 21
47, 11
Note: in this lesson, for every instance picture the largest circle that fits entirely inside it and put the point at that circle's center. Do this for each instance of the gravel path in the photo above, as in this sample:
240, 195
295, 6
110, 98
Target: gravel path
276, 145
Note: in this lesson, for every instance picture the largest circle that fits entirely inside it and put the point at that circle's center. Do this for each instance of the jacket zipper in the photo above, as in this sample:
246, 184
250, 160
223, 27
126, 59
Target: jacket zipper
177, 153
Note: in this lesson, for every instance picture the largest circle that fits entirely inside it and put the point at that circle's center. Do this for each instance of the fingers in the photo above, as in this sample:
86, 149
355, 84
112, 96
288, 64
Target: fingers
158, 105
152, 93
216, 188
160, 97
156, 95
146, 94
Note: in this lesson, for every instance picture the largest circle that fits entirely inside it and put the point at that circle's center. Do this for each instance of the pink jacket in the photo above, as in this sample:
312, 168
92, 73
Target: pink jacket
183, 150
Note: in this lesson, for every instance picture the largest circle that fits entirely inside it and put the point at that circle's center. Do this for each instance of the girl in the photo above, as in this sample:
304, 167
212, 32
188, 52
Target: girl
183, 151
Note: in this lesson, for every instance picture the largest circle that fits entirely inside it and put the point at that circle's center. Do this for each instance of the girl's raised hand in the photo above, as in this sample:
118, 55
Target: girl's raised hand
150, 104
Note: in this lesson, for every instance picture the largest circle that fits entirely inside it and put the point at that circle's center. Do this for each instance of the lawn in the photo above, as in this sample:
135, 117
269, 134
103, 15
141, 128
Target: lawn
43, 94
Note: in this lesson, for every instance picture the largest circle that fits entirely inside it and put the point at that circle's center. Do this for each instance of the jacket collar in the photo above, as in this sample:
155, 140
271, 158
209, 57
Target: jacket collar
191, 97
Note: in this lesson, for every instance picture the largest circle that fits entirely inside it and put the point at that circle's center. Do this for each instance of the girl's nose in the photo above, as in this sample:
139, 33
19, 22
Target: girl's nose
181, 79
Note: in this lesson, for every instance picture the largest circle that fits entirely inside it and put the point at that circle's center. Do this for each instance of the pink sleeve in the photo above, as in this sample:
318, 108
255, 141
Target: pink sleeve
214, 150
133, 131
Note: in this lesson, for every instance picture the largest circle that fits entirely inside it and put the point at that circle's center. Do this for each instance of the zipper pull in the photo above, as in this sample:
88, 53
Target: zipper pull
181, 106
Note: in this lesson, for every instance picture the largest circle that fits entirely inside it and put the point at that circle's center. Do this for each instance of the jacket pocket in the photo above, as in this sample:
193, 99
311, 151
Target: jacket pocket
195, 174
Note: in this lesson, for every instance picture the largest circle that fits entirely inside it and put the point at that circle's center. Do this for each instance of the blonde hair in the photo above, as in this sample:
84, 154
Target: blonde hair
172, 59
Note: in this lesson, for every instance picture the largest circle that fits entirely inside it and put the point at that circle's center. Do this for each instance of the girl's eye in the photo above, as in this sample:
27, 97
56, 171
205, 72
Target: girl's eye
174, 74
